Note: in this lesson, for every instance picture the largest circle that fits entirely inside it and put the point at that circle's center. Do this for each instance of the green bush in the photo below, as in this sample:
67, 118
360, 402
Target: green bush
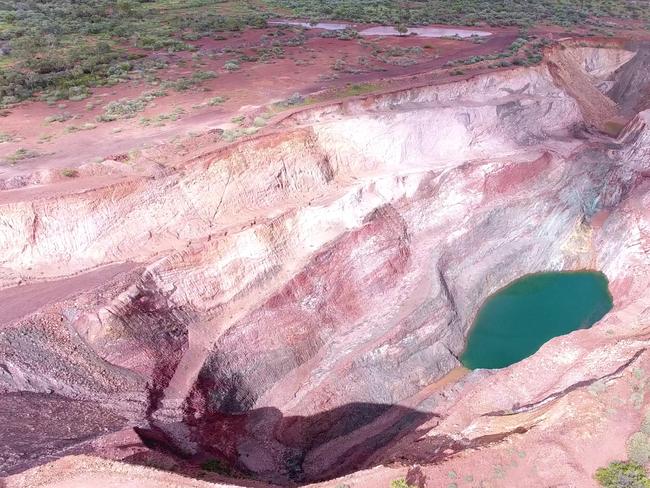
623, 475
400, 483
184, 83
126, 109
69, 173
216, 466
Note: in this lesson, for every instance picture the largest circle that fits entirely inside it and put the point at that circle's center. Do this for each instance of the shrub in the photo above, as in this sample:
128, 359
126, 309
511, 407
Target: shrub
217, 101
184, 83
347, 34
623, 475
339, 65
69, 173
122, 109
216, 466
62, 117
295, 99
77, 93
73, 128
400, 483
126, 109
231, 66
199, 76
638, 447
22, 154
355, 89
231, 135
645, 425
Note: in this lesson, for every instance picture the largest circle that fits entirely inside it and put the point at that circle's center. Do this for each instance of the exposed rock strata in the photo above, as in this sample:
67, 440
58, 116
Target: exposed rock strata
302, 293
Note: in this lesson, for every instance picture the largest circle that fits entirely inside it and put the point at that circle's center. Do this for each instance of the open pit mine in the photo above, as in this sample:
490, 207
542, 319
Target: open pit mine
290, 309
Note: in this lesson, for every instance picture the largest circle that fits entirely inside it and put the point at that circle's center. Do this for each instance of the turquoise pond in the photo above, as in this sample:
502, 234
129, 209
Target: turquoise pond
513, 323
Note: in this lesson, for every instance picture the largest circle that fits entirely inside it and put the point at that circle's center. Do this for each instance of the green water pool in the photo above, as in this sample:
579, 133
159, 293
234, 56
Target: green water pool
513, 323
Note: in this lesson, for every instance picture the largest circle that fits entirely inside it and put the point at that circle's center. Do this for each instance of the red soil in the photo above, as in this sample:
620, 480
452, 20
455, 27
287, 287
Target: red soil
304, 69
12, 300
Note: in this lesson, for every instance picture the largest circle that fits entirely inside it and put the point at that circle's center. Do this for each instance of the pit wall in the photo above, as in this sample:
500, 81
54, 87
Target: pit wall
434, 128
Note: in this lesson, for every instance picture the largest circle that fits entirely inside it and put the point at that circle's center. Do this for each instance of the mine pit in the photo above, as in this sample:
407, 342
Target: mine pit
298, 306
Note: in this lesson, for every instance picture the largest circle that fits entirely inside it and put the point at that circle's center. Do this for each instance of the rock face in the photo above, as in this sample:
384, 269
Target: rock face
290, 303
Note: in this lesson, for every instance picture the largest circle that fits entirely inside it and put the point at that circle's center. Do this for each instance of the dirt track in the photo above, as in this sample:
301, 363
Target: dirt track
22, 300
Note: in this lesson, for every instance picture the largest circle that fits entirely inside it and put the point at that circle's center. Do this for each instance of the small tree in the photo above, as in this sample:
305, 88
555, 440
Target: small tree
70, 173
623, 475
401, 29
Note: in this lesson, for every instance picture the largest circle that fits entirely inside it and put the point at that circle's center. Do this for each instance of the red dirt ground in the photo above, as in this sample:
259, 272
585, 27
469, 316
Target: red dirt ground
304, 69
12, 300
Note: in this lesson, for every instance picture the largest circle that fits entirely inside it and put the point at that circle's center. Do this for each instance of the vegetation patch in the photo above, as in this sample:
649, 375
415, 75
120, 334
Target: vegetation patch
355, 89
69, 173
231, 66
126, 109
61, 47
623, 475
400, 483
216, 466
161, 119
185, 83
74, 128
22, 154
638, 447
259, 122
61, 117
346, 34
217, 101
466, 12
524, 51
